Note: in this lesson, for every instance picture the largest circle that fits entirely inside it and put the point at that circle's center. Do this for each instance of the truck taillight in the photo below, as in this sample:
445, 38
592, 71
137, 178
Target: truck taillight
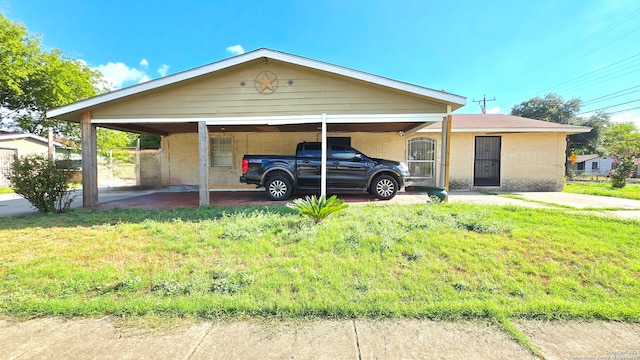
245, 166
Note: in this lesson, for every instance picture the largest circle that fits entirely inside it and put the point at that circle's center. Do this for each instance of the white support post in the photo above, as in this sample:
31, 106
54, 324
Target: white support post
323, 171
203, 160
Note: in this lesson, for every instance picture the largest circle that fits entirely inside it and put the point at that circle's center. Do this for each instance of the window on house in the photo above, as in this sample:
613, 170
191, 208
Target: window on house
594, 166
580, 166
221, 149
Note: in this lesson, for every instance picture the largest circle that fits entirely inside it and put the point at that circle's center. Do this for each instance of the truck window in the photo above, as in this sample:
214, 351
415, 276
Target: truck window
312, 150
342, 152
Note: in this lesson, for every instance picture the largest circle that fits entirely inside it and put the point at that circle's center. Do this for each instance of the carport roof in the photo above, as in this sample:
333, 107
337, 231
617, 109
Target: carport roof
72, 112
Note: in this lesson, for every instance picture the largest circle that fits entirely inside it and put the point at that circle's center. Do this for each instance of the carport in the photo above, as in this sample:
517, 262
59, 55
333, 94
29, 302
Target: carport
263, 91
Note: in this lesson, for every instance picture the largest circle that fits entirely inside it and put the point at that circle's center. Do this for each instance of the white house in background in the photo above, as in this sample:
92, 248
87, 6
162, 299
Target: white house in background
592, 164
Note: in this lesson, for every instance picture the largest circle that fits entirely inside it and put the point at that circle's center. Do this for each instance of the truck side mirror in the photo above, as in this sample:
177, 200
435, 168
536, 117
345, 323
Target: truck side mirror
357, 158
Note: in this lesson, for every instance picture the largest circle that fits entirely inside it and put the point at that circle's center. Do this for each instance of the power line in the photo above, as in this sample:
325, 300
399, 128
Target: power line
592, 72
607, 107
619, 111
609, 28
610, 96
602, 78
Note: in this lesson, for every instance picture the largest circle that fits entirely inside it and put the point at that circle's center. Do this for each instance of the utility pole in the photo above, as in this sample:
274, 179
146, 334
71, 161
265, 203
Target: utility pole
484, 100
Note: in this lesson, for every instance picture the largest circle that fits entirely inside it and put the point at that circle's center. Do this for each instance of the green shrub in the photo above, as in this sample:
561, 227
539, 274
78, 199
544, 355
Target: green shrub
42, 183
317, 208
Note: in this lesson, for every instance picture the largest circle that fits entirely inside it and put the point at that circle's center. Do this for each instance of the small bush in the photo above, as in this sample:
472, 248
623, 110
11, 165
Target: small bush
42, 183
317, 208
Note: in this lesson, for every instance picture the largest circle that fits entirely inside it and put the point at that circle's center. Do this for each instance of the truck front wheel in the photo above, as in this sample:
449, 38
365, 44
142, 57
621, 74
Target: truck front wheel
278, 187
384, 187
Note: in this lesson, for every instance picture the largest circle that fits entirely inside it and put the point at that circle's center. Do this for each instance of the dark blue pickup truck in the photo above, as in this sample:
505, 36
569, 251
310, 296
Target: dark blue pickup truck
347, 170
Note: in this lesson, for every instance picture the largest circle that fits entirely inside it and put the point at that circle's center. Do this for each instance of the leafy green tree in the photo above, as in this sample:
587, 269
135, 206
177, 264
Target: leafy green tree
552, 108
622, 142
33, 81
149, 141
110, 143
591, 142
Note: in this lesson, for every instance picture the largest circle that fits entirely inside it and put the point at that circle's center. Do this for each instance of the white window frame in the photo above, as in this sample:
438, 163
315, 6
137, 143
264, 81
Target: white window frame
225, 152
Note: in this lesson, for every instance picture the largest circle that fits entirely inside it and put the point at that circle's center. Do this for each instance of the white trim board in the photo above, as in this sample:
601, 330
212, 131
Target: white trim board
286, 120
511, 130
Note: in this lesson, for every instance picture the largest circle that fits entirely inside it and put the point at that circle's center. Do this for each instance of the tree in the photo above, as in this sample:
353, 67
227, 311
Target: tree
42, 183
622, 142
149, 141
552, 108
591, 142
33, 81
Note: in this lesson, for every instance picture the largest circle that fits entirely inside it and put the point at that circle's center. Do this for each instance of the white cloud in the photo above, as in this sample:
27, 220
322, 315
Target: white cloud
162, 70
627, 116
494, 110
116, 74
235, 49
144, 78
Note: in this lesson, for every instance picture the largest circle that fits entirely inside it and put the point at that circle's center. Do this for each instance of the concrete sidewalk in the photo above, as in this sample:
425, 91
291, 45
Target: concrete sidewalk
344, 339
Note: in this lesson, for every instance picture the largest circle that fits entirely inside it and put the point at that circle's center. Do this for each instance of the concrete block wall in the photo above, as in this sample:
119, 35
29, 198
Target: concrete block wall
529, 161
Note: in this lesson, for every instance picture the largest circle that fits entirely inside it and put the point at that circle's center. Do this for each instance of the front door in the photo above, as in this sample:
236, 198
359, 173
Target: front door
422, 161
487, 161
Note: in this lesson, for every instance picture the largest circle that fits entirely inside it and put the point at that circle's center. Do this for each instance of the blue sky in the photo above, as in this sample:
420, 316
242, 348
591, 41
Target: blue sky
510, 50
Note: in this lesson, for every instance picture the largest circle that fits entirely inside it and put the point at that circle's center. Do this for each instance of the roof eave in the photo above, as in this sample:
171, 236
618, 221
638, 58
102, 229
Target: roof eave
249, 56
514, 130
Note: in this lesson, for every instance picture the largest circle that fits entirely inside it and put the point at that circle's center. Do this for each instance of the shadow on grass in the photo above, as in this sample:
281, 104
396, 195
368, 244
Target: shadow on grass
96, 217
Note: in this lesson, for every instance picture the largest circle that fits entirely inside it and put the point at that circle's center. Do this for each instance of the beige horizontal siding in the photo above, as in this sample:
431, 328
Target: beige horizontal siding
313, 92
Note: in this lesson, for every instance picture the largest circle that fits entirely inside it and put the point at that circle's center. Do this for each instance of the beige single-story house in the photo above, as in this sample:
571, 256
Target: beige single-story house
26, 144
265, 102
20, 144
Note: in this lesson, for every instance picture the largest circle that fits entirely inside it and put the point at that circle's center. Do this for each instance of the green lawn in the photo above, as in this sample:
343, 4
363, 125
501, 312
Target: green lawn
630, 191
446, 261
5, 190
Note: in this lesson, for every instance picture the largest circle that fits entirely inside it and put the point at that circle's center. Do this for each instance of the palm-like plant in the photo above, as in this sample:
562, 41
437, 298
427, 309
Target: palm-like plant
318, 208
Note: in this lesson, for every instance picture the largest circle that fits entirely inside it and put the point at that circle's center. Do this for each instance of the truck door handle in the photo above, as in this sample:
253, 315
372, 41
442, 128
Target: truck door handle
306, 161
336, 163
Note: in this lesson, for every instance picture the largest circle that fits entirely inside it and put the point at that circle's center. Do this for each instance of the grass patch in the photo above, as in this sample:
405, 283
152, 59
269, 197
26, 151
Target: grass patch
630, 191
446, 261
6, 190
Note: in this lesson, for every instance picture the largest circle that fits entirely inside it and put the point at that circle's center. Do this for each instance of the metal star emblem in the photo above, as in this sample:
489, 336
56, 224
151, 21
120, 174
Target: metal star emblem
266, 80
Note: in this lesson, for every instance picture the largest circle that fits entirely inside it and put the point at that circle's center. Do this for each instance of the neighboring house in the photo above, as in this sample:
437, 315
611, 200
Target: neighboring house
20, 144
591, 164
265, 102
594, 165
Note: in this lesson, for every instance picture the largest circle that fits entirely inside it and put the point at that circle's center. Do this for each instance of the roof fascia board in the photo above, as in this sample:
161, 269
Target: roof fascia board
256, 54
356, 74
23, 136
511, 130
285, 120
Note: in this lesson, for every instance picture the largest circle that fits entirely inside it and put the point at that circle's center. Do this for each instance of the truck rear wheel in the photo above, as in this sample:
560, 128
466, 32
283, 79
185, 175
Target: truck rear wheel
278, 187
384, 187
